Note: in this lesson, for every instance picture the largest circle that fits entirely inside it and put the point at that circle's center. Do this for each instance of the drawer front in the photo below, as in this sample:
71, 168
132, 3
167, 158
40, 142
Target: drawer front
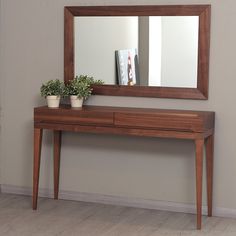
75, 117
165, 121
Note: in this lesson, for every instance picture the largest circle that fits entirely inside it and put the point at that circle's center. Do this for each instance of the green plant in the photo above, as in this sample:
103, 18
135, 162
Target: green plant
79, 88
52, 87
88, 79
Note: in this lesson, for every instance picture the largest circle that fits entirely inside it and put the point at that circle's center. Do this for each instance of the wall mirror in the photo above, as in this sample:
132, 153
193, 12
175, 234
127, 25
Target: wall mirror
151, 51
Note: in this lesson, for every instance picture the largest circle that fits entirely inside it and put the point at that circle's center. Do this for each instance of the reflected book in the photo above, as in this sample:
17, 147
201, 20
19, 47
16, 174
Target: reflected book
127, 67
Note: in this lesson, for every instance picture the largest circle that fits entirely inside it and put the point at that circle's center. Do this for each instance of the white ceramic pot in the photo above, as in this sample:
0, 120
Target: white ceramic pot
75, 101
53, 101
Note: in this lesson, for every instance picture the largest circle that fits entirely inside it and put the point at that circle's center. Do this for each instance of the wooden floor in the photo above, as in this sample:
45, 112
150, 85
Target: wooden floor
91, 219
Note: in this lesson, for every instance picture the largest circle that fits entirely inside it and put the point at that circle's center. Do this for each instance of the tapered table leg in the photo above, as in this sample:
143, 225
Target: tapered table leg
37, 154
57, 150
209, 167
199, 163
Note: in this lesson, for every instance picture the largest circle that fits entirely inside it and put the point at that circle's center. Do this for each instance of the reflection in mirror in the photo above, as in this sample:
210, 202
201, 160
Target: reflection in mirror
166, 46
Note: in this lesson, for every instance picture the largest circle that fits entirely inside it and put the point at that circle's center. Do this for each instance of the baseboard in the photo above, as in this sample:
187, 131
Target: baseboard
118, 200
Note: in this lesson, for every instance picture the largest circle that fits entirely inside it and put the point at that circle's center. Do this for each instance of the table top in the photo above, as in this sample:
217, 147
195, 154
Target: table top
129, 120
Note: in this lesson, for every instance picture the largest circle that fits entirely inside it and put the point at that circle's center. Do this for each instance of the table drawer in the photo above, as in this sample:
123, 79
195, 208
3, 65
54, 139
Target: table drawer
165, 121
74, 117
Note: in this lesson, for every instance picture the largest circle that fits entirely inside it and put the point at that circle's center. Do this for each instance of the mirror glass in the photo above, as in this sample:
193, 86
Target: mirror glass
138, 50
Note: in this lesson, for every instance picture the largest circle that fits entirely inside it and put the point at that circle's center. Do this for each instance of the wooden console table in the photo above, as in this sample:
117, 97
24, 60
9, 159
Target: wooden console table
179, 124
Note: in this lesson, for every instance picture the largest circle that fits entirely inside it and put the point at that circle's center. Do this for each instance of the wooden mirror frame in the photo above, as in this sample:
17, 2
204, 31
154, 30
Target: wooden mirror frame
203, 11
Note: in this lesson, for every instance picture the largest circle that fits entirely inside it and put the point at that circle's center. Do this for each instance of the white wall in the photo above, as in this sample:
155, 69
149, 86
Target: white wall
159, 169
155, 51
173, 51
143, 51
180, 50
97, 39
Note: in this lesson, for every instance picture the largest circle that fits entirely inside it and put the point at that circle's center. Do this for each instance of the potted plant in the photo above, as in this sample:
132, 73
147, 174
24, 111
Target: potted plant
78, 89
52, 91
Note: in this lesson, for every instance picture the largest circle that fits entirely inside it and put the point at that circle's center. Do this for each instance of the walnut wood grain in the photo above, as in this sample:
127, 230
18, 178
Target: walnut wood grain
163, 123
209, 167
203, 11
199, 165
68, 44
159, 119
124, 131
56, 154
148, 91
36, 168
135, 10
74, 116
170, 120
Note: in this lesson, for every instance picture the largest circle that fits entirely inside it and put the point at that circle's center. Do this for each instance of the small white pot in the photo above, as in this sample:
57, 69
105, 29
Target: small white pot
53, 101
75, 101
